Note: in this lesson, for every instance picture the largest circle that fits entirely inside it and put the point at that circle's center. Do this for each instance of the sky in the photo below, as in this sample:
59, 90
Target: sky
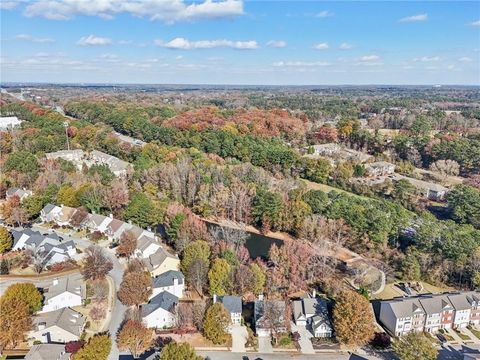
240, 42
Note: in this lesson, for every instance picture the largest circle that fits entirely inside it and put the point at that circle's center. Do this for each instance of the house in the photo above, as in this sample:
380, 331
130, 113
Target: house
233, 304
65, 215
21, 193
117, 167
269, 315
50, 212
75, 156
463, 310
160, 311
64, 292
427, 189
380, 168
116, 228
59, 326
9, 122
474, 300
47, 352
97, 222
26, 238
171, 281
146, 247
138, 232
54, 254
160, 262
437, 306
313, 312
400, 316
79, 219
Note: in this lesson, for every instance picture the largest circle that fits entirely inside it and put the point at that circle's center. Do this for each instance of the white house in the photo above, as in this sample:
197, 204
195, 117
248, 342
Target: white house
462, 310
59, 326
21, 193
75, 156
160, 311
97, 222
50, 212
64, 292
117, 167
146, 246
171, 281
116, 228
233, 304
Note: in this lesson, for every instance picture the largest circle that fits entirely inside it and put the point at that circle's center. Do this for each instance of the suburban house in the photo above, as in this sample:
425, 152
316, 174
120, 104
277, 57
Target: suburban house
160, 311
97, 222
171, 281
21, 193
117, 167
313, 312
233, 304
380, 168
116, 228
50, 212
47, 352
430, 313
59, 326
9, 122
427, 189
146, 246
268, 315
64, 292
161, 262
64, 216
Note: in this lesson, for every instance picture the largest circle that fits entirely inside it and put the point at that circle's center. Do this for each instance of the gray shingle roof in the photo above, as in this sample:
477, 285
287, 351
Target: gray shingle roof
233, 304
48, 208
72, 283
64, 318
47, 352
459, 302
166, 279
164, 300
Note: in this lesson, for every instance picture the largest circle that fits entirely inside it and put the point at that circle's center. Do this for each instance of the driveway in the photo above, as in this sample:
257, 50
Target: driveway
306, 346
265, 345
472, 337
239, 338
455, 336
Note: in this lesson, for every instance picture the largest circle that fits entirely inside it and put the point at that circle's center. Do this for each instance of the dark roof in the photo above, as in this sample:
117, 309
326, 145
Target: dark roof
164, 300
48, 208
166, 279
233, 304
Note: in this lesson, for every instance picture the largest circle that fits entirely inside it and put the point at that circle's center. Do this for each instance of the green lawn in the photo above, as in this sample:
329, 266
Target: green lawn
462, 336
474, 331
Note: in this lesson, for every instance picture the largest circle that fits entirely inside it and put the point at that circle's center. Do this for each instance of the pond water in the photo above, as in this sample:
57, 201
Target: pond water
258, 245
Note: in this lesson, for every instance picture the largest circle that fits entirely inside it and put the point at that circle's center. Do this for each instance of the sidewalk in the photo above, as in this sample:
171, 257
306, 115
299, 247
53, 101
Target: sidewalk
111, 303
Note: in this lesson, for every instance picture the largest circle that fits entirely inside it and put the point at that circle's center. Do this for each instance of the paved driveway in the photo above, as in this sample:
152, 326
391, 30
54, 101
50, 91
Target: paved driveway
265, 345
306, 346
239, 338
473, 338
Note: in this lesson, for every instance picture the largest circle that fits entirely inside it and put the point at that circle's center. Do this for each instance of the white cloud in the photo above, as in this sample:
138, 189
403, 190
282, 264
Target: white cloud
31, 38
93, 40
277, 43
179, 57
368, 58
184, 44
345, 46
475, 23
324, 14
168, 11
414, 18
465, 59
300, 63
321, 46
427, 59
8, 5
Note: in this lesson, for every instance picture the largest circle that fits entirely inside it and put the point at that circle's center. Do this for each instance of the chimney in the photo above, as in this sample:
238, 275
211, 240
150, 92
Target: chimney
314, 293
175, 281
260, 297
41, 325
55, 281
214, 298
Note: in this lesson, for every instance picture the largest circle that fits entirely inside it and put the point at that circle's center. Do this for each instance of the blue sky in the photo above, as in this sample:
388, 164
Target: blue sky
241, 42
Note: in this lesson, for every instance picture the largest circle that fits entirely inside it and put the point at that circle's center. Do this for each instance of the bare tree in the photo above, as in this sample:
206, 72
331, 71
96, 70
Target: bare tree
445, 167
96, 264
183, 315
232, 233
127, 245
198, 314
197, 275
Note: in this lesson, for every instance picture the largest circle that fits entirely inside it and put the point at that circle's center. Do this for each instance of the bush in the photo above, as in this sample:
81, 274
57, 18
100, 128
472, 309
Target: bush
285, 341
381, 341
37, 342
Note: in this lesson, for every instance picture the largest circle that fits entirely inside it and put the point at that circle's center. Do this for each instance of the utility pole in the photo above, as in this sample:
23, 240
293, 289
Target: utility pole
65, 124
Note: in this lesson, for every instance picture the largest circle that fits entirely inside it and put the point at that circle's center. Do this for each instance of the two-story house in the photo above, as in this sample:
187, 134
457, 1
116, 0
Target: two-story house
160, 311
64, 292
171, 281
233, 304
400, 316
462, 310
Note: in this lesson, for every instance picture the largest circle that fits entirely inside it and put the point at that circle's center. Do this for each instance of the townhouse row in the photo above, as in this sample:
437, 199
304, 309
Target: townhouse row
430, 312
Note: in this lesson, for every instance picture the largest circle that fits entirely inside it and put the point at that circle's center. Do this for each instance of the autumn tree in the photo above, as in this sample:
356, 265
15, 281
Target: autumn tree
127, 244
97, 348
117, 197
215, 325
15, 321
134, 337
219, 277
6, 240
413, 346
182, 351
78, 217
135, 289
27, 292
96, 264
195, 263
97, 312
258, 279
12, 212
353, 319
183, 315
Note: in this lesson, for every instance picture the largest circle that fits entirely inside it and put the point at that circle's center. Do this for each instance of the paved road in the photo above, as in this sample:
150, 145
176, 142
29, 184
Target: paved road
223, 355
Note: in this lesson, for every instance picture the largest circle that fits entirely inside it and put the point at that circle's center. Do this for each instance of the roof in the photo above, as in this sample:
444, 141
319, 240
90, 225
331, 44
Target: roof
73, 284
47, 209
47, 352
259, 309
434, 304
157, 259
405, 307
114, 163
380, 164
421, 184
64, 318
144, 242
164, 300
17, 191
233, 304
459, 301
66, 213
114, 225
65, 154
166, 279
97, 219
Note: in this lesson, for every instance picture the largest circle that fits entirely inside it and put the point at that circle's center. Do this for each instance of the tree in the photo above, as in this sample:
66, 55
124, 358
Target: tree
413, 346
134, 337
197, 275
183, 315
96, 264
23, 162
266, 209
446, 167
97, 312
15, 321
127, 244
258, 281
78, 217
198, 249
141, 211
6, 240
67, 196
183, 351
12, 212
27, 292
216, 323
135, 289
219, 277
72, 347
97, 348
464, 204
352, 319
